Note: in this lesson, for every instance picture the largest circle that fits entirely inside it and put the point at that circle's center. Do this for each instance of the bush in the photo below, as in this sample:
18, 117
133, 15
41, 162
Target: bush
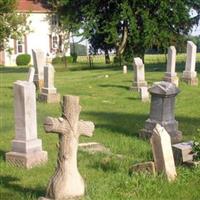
74, 56
116, 59
61, 60
23, 59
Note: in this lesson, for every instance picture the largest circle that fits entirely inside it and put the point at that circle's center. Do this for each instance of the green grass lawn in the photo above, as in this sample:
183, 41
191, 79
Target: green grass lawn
118, 115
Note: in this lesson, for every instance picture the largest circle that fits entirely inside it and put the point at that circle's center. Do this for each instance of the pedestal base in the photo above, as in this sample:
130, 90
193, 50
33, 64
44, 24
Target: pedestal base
171, 79
137, 85
49, 98
28, 161
191, 81
171, 128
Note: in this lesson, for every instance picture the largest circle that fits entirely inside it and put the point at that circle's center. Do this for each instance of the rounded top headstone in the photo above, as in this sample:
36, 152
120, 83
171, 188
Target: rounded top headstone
164, 88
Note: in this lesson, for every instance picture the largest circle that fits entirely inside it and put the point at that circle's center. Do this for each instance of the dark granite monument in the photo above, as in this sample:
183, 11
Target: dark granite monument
162, 111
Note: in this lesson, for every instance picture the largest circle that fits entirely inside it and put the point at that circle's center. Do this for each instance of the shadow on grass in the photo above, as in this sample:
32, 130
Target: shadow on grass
14, 70
2, 155
8, 182
123, 123
131, 124
116, 86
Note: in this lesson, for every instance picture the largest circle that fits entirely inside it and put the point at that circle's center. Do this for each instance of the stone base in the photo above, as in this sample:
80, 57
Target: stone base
137, 85
182, 152
145, 167
26, 160
171, 79
191, 81
176, 136
49, 98
70, 198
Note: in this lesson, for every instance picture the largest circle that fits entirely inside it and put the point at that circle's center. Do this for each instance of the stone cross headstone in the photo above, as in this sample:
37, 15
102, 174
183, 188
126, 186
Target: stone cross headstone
171, 75
162, 153
144, 94
139, 74
49, 92
162, 111
31, 74
190, 75
39, 61
125, 69
67, 182
26, 147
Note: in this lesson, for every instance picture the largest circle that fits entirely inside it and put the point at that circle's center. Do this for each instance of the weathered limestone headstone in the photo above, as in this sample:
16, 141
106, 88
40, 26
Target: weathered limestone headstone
144, 94
190, 75
49, 92
139, 74
125, 69
162, 111
162, 153
171, 75
26, 147
67, 182
39, 61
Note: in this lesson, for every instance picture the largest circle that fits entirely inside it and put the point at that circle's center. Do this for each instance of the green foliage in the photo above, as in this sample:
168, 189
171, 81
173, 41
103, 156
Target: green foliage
196, 150
81, 50
62, 60
12, 24
74, 57
23, 59
131, 24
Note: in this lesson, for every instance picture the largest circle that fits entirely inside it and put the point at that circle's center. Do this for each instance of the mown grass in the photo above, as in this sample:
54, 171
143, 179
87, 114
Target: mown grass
118, 115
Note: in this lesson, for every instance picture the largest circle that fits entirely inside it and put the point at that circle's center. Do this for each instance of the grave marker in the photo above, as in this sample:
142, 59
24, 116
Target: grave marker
26, 147
67, 182
162, 153
190, 75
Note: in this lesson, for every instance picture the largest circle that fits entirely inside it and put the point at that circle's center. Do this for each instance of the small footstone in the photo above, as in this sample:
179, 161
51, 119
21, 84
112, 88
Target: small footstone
182, 152
145, 167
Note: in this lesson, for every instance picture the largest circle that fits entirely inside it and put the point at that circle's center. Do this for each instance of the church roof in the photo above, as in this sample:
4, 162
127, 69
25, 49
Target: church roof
37, 6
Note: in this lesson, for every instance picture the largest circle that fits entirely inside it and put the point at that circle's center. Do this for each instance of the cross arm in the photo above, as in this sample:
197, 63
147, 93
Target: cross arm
56, 125
86, 128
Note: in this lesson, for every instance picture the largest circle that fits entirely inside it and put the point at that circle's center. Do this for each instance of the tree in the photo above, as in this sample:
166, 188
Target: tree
12, 24
133, 25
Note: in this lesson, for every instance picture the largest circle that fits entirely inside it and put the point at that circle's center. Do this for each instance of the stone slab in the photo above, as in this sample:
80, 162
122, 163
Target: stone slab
182, 152
144, 94
26, 146
94, 147
145, 167
49, 98
26, 160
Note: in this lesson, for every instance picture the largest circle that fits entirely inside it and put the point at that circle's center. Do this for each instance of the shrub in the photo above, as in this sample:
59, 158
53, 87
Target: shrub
116, 59
61, 60
74, 56
23, 59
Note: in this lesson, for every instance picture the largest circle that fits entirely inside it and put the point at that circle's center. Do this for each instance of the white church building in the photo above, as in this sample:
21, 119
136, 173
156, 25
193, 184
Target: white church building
42, 24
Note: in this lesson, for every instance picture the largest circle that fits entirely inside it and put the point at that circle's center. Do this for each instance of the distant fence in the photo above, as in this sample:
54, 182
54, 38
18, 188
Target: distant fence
149, 58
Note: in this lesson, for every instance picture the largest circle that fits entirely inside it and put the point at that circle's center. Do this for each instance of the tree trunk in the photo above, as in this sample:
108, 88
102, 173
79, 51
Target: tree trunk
122, 44
107, 57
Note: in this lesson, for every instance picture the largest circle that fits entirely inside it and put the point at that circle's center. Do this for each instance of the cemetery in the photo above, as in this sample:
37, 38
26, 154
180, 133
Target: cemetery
99, 100
134, 149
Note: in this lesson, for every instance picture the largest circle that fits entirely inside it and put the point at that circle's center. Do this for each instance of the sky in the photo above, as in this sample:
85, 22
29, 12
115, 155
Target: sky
196, 31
